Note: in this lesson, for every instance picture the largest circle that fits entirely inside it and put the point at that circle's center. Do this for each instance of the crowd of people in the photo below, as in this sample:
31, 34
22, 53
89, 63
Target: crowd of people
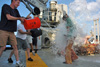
8, 26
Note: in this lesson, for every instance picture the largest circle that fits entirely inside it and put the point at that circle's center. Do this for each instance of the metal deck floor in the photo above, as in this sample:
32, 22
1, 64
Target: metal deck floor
51, 60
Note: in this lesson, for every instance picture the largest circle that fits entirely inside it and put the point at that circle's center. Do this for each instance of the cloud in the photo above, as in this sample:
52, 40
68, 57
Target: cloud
98, 1
87, 10
93, 6
80, 1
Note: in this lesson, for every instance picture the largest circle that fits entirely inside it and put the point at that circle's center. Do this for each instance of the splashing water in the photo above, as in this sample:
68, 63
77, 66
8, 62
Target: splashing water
60, 41
61, 38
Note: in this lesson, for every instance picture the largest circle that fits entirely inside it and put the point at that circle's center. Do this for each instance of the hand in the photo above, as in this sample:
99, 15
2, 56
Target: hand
67, 27
22, 19
28, 17
29, 33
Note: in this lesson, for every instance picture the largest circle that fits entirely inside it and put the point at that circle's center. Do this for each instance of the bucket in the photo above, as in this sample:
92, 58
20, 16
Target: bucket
32, 23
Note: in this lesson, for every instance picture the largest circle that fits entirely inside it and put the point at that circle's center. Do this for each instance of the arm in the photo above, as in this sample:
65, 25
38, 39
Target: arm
7, 12
28, 16
21, 30
9, 17
68, 28
29, 33
28, 30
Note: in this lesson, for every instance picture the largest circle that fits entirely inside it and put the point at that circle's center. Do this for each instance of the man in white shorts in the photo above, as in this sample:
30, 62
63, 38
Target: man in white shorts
29, 40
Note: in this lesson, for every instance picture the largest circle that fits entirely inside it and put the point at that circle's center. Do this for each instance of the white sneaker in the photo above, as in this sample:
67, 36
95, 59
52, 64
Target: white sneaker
33, 53
19, 64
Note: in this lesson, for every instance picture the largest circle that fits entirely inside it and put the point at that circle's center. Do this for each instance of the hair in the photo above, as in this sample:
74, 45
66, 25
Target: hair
12, 1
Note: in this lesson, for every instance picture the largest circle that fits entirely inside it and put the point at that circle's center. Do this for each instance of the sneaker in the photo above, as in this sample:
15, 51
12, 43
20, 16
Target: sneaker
30, 50
33, 53
19, 64
30, 59
10, 60
36, 50
64, 63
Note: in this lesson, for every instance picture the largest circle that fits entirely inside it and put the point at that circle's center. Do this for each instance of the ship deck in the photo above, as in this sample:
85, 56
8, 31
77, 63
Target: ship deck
45, 58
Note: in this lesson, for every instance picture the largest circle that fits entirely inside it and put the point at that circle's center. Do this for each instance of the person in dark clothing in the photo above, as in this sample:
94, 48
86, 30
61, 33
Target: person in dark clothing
35, 43
8, 26
34, 32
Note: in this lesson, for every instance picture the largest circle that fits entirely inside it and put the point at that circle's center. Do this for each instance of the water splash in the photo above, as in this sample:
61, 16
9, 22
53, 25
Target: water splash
80, 18
60, 41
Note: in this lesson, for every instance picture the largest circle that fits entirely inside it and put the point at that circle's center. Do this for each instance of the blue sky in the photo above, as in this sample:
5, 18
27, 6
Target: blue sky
24, 11
84, 11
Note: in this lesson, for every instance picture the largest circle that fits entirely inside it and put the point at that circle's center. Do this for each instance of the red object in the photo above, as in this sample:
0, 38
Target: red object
73, 55
32, 23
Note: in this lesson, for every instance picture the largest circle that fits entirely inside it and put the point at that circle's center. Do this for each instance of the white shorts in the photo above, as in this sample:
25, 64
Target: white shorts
29, 38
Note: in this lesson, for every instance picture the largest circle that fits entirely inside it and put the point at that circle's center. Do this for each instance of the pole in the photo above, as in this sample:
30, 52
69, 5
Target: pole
98, 29
94, 31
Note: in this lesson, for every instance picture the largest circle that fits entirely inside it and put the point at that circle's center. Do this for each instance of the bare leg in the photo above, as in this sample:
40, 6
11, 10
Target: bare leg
12, 52
28, 52
15, 52
2, 49
31, 46
33, 51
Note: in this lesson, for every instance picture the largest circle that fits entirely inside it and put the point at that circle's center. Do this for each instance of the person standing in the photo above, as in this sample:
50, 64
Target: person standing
70, 55
22, 41
8, 26
35, 40
29, 40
